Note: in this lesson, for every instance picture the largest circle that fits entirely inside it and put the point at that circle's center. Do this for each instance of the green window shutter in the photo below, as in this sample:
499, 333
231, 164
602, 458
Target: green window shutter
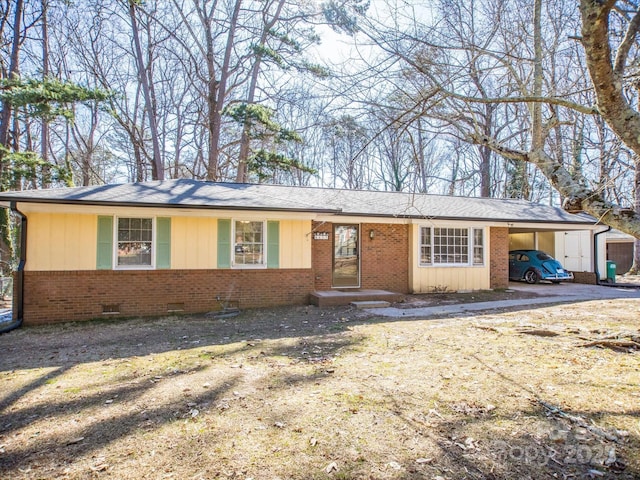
224, 243
273, 244
104, 257
163, 242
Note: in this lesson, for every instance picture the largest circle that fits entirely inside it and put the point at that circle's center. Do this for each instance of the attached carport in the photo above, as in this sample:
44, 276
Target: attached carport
580, 248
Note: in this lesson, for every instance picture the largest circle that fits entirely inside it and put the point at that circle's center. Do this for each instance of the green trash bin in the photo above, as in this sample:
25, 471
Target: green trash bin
611, 271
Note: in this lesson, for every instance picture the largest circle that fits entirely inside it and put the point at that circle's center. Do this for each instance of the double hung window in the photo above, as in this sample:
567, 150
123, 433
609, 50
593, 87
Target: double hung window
249, 246
134, 242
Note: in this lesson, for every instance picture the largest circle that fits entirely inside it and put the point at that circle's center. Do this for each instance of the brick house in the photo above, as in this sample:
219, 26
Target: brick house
182, 245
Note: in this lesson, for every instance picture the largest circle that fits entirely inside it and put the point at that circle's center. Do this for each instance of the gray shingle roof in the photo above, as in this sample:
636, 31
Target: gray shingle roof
199, 194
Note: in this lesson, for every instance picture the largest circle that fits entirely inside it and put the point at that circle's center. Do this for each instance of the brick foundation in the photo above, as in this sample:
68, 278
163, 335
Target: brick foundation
384, 260
499, 257
588, 278
79, 295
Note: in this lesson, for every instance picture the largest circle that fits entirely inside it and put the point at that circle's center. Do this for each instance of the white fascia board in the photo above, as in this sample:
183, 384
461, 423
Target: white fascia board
29, 207
556, 227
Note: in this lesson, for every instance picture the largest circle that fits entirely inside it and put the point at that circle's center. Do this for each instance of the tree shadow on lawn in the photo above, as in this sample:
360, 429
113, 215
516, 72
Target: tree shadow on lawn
60, 348
68, 344
319, 338
481, 447
102, 424
102, 431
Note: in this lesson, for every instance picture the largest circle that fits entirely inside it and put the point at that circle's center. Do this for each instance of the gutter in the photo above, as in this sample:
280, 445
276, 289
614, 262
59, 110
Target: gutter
196, 206
18, 279
595, 254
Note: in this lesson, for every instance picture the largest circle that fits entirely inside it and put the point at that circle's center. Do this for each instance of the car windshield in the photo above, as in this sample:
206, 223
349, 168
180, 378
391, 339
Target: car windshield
543, 256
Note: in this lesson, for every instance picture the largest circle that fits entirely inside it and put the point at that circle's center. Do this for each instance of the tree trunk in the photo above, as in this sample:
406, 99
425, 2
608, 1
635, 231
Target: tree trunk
607, 80
6, 242
242, 172
635, 267
537, 134
156, 166
44, 147
217, 98
14, 68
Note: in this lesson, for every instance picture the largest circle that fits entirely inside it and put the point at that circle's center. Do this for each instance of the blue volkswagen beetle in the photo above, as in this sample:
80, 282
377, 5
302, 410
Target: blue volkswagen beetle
535, 265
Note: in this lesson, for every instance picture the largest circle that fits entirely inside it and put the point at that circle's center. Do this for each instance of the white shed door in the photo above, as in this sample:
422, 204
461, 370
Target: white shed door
577, 251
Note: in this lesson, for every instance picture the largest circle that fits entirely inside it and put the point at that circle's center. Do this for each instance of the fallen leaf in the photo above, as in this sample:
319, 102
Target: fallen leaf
75, 440
313, 441
332, 467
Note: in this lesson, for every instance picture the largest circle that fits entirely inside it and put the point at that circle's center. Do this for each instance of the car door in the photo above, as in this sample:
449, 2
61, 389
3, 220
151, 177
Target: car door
513, 273
518, 264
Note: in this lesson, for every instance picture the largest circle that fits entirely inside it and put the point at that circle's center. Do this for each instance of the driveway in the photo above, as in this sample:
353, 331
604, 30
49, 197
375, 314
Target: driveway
577, 291
547, 294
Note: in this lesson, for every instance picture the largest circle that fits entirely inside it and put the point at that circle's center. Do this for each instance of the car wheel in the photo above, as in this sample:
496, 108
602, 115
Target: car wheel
531, 276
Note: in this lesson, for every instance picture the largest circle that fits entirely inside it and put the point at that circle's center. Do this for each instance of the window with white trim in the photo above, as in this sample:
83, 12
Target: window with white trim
478, 246
451, 246
249, 245
134, 242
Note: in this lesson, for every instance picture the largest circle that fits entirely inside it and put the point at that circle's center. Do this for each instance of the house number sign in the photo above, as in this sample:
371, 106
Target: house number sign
321, 235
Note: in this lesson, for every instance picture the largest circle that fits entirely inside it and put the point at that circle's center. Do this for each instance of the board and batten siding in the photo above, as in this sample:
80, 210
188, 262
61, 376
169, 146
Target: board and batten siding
61, 242
544, 241
295, 244
194, 243
70, 242
448, 278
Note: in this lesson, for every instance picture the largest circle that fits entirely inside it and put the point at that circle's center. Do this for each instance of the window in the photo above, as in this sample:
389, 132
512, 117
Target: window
425, 246
478, 246
451, 246
249, 246
134, 243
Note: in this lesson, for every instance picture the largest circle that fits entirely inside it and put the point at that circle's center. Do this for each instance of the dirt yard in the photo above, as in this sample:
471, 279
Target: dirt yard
304, 393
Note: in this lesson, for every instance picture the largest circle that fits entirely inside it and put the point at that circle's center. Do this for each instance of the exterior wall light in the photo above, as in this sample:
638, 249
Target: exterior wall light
372, 234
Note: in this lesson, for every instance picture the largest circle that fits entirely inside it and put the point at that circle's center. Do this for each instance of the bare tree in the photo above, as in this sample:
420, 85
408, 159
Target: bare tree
534, 72
147, 86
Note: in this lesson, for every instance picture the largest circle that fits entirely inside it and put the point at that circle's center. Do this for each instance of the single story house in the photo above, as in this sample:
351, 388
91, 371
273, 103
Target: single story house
185, 245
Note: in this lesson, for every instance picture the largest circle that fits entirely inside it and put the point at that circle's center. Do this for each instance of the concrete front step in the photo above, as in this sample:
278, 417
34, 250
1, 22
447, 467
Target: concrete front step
370, 304
332, 298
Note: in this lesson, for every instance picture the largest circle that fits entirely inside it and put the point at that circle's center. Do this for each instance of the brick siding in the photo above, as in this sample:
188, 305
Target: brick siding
80, 295
322, 256
385, 259
499, 257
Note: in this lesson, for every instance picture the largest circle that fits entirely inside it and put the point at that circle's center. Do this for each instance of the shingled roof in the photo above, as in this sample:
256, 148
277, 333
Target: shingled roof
185, 193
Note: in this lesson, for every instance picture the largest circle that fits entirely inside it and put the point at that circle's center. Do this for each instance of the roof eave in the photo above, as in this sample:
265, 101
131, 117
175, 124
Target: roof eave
5, 201
473, 219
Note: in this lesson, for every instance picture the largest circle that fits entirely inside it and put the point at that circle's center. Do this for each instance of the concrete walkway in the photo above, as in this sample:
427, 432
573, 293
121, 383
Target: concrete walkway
563, 293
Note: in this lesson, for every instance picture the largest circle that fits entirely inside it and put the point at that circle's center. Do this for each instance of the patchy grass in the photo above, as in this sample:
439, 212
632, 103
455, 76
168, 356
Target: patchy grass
305, 393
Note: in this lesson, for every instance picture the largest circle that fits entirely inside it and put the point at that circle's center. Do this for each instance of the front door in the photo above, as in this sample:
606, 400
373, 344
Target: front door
346, 262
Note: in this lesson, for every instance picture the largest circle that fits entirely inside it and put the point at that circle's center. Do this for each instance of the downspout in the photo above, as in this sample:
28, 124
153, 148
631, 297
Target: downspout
595, 254
18, 279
